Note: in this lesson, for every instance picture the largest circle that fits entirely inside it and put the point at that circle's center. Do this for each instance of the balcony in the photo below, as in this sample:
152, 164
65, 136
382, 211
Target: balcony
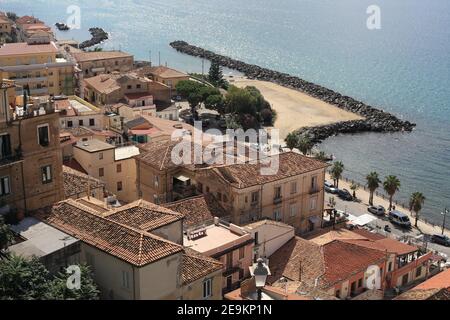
277, 200
29, 80
11, 159
314, 190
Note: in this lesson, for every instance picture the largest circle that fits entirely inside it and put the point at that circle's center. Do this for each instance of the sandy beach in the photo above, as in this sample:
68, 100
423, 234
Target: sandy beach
294, 108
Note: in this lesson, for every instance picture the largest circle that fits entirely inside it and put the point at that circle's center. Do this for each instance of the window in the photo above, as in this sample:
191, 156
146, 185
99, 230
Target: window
313, 204
200, 187
100, 156
390, 267
207, 189
353, 287
241, 253
4, 186
338, 293
156, 181
241, 274
360, 283
119, 186
277, 193
5, 146
207, 289
101, 172
138, 86
255, 197
293, 210
129, 87
119, 168
314, 183
277, 215
43, 135
69, 124
92, 122
125, 280
418, 272
155, 199
46, 174
293, 187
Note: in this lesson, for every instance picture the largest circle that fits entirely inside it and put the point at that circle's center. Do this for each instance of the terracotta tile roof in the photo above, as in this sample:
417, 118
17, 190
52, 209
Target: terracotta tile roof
198, 210
23, 48
75, 165
420, 294
297, 255
76, 182
397, 247
340, 234
249, 174
101, 55
133, 246
165, 72
27, 20
304, 261
343, 259
144, 216
103, 83
195, 266
367, 234
79, 131
439, 281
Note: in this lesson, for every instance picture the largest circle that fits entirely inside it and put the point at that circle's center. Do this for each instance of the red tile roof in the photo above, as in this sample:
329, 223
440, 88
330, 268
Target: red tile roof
23, 48
304, 261
133, 246
198, 210
76, 183
342, 260
249, 174
442, 280
195, 266
144, 216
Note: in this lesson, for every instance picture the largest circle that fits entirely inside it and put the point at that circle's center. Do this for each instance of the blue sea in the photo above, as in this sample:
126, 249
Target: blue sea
404, 67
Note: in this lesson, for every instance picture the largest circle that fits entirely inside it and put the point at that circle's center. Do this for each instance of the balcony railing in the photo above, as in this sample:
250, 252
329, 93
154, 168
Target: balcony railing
278, 200
314, 190
7, 160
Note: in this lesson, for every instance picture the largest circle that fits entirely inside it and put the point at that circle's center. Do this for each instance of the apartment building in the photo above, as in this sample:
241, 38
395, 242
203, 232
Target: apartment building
227, 243
136, 251
115, 166
5, 25
166, 75
110, 89
29, 26
30, 157
294, 195
100, 62
37, 66
76, 112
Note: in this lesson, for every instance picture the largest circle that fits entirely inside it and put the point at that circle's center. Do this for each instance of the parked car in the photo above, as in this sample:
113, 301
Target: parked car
399, 219
344, 194
330, 188
440, 239
378, 211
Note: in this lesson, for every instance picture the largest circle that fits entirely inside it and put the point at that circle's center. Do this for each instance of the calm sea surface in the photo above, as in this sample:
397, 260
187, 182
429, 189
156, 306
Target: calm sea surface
403, 68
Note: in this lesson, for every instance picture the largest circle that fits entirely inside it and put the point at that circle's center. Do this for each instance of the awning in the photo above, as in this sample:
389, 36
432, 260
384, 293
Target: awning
361, 220
314, 220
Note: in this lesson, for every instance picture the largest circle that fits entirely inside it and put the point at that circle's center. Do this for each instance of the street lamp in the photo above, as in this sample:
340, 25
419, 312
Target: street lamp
443, 222
260, 271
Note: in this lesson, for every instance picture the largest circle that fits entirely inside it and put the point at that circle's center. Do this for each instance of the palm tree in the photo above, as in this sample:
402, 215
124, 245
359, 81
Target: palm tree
305, 144
373, 183
292, 140
321, 156
336, 172
416, 203
354, 187
391, 186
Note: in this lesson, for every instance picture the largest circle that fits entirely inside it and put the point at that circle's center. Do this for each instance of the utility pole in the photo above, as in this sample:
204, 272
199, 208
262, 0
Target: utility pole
443, 222
150, 56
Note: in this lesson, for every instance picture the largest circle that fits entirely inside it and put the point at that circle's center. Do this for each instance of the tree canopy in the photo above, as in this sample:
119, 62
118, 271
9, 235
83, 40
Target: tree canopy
23, 279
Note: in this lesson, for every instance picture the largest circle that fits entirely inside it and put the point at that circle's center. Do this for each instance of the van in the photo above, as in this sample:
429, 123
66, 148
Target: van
399, 219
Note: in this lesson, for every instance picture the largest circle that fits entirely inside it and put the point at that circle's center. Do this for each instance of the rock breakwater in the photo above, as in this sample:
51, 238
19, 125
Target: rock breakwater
375, 120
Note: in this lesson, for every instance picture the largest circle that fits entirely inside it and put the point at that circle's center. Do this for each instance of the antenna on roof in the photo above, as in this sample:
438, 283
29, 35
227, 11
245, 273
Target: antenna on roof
159, 57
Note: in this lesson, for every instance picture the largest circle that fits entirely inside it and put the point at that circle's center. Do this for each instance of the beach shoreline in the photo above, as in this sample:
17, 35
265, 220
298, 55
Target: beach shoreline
295, 109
